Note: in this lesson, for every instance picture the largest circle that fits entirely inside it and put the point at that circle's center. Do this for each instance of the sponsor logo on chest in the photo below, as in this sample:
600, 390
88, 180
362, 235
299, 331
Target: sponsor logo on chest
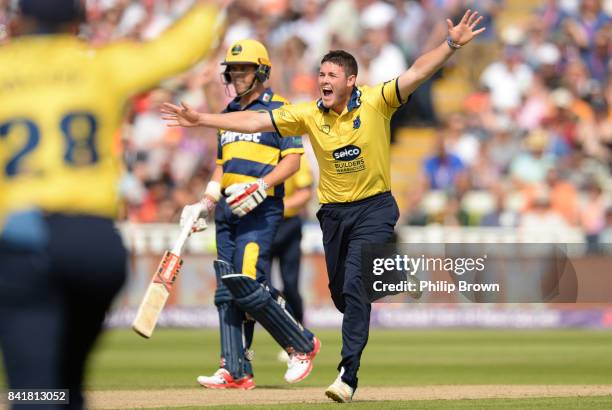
227, 137
347, 153
348, 159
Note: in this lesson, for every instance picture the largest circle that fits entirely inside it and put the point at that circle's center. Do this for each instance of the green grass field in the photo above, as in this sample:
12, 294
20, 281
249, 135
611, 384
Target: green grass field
172, 359
534, 403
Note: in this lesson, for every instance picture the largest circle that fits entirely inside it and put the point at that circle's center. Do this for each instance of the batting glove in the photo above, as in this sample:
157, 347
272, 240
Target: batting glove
199, 211
244, 197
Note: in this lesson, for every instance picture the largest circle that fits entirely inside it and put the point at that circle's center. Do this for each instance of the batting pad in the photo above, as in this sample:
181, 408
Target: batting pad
232, 349
254, 299
231, 319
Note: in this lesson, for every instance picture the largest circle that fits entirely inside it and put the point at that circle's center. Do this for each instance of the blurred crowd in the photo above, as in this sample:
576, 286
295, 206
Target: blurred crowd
531, 144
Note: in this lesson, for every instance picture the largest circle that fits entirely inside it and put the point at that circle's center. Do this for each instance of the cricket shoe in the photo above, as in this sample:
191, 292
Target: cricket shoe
340, 391
299, 365
222, 379
283, 356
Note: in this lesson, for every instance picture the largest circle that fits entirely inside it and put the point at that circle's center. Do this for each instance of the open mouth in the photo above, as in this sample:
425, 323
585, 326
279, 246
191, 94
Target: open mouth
327, 92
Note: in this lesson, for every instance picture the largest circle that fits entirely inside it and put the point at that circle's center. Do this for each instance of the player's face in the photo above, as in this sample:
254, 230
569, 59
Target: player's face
334, 85
242, 76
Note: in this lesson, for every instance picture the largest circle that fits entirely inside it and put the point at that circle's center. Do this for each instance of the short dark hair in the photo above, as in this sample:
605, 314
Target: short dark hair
343, 59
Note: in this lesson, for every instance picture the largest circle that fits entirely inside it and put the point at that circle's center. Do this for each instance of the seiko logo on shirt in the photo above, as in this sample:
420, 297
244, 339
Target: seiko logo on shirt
348, 153
227, 137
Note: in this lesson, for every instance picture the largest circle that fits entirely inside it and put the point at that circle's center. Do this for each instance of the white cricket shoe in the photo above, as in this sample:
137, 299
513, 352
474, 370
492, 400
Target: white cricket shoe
299, 365
340, 391
222, 379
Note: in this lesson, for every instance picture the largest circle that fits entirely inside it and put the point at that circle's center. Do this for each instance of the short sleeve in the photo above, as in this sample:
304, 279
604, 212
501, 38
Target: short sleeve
385, 97
291, 145
290, 120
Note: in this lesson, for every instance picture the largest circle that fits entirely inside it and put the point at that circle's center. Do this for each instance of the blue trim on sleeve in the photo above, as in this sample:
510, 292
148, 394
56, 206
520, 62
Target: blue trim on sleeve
274, 124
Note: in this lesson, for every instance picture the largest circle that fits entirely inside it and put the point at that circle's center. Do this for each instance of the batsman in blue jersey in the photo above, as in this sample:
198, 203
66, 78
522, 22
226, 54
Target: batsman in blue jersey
250, 172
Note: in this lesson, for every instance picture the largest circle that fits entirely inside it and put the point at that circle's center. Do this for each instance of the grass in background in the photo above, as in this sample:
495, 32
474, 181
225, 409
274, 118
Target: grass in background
173, 358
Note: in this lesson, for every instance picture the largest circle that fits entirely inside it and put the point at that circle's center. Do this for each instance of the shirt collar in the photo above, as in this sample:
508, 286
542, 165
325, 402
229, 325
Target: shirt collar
354, 101
264, 98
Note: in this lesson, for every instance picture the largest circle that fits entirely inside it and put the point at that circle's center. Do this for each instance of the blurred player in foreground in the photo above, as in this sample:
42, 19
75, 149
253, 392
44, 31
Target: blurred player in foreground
62, 260
349, 132
251, 169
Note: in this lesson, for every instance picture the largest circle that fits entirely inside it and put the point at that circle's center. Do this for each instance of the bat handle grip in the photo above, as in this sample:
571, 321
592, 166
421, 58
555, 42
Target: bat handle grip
185, 233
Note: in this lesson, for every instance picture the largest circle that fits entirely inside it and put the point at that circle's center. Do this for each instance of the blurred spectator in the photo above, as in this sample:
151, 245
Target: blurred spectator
311, 28
409, 20
508, 80
531, 165
150, 135
566, 111
505, 146
605, 238
584, 26
595, 136
158, 192
382, 60
485, 173
502, 215
576, 78
419, 110
561, 194
536, 107
593, 216
597, 58
488, 9
297, 75
442, 169
342, 21
553, 13
541, 214
459, 140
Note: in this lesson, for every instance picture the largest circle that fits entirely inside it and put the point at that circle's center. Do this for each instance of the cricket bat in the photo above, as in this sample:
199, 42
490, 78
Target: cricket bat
160, 287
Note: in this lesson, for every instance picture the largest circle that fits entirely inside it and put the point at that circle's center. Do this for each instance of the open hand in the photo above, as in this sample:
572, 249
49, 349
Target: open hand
465, 31
183, 116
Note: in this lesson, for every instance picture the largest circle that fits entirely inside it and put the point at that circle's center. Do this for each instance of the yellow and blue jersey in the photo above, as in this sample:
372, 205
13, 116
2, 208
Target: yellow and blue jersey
352, 148
247, 157
62, 103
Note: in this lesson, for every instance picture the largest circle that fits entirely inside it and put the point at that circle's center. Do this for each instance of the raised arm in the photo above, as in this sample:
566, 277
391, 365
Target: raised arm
239, 121
427, 64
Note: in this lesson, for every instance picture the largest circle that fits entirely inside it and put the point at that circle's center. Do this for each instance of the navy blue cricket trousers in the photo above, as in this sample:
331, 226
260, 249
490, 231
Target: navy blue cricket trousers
286, 248
346, 228
53, 301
